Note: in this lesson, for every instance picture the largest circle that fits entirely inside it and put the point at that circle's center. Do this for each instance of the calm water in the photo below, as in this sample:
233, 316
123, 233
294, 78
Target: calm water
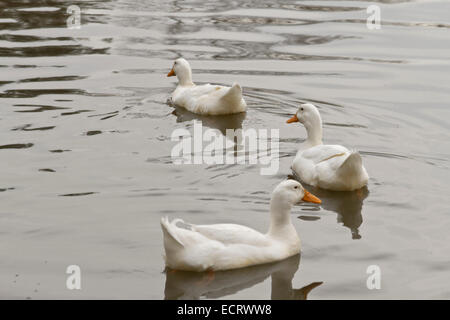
85, 144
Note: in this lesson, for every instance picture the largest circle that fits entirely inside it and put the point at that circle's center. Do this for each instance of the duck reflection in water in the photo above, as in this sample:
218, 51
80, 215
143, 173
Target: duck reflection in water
181, 285
347, 204
221, 123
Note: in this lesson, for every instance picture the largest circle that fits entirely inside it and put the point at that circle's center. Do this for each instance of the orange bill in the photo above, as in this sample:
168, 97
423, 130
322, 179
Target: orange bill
171, 73
309, 197
293, 119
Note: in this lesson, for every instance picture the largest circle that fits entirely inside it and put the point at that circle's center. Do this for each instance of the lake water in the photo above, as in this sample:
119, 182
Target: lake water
85, 144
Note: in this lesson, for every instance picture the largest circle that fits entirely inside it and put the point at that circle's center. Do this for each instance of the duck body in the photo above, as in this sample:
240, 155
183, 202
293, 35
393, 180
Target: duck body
208, 99
332, 167
222, 247
204, 99
231, 246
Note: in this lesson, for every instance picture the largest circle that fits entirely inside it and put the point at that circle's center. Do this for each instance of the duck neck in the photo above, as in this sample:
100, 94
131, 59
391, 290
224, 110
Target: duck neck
314, 132
280, 218
185, 78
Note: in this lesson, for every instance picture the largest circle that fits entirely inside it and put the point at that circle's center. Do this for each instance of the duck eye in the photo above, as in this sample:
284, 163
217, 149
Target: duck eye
296, 187
301, 109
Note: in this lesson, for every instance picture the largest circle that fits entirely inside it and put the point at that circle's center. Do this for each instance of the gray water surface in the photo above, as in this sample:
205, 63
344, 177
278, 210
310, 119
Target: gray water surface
86, 172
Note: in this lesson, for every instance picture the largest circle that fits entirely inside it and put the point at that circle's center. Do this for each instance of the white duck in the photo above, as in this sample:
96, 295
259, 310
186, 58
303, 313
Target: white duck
204, 99
332, 167
231, 246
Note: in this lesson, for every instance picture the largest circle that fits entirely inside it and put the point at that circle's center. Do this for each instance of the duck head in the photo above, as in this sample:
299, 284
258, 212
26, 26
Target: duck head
284, 197
308, 115
291, 192
182, 70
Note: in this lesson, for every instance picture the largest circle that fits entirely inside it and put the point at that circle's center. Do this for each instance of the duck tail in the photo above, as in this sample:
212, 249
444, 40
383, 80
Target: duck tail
234, 93
171, 240
352, 165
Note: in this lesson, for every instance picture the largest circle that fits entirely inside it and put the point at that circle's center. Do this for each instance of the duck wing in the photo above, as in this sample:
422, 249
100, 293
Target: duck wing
323, 153
232, 234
